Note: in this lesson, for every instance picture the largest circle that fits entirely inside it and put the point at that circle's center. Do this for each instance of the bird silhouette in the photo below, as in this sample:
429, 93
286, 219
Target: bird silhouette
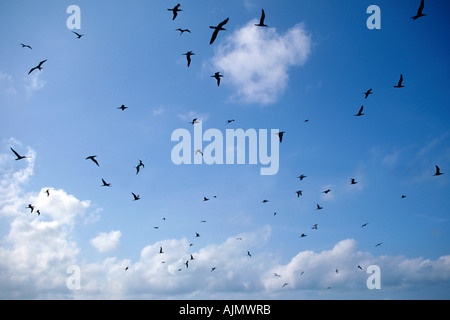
38, 67
194, 121
31, 207
93, 159
261, 21
213, 268
105, 184
419, 11
161, 250
301, 177
359, 267
265, 201
319, 207
353, 181
360, 112
280, 135
438, 172
199, 151
303, 235
217, 75
175, 11
367, 93
78, 35
47, 192
192, 257
400, 82
197, 235
326, 191
249, 254
188, 57
276, 275
187, 264
205, 199
122, 107
364, 225
19, 157
230, 121
378, 244
138, 168
136, 197
183, 30
299, 193
217, 29
314, 226
284, 285
25, 46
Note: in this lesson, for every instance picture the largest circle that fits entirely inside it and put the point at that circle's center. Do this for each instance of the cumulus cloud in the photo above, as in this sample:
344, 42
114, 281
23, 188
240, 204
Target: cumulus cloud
256, 61
107, 241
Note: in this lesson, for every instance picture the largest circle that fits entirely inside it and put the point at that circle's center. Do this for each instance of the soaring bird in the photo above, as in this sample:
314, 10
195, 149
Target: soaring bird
284, 285
217, 29
217, 75
122, 107
353, 181
248, 253
299, 193
105, 184
261, 21
25, 46
78, 34
39, 66
265, 201
314, 226
188, 57
136, 197
197, 235
364, 225
187, 264
359, 267
367, 93
419, 11
47, 192
438, 171
192, 257
360, 112
161, 250
213, 268
280, 135
276, 275
183, 30
319, 207
303, 235
205, 199
194, 121
19, 157
301, 177
230, 121
93, 159
378, 244
326, 191
400, 82
31, 207
175, 11
138, 168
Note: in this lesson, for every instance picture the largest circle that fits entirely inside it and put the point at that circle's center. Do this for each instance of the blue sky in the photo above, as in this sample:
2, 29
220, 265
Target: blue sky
314, 63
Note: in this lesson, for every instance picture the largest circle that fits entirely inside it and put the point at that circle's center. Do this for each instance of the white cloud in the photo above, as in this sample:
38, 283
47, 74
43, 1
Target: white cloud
6, 84
256, 61
33, 83
107, 241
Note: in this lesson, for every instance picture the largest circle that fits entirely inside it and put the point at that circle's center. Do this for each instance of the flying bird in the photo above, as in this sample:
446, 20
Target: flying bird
367, 93
301, 177
175, 11
105, 184
378, 244
438, 172
192, 257
314, 226
38, 67
205, 199
161, 250
419, 11
248, 253
183, 30
199, 151
194, 121
136, 197
188, 57
230, 121
359, 267
197, 235
213, 268
38, 212
25, 46
360, 112
403, 196
19, 157
261, 21
284, 285
47, 192
353, 181
276, 275
217, 29
319, 207
400, 82
265, 201
217, 75
280, 135
138, 168
78, 34
93, 159
122, 107
364, 225
303, 235
299, 193
326, 191
31, 207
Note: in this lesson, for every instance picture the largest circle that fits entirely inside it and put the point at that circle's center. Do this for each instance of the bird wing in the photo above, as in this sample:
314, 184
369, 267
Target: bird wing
32, 69
401, 80
17, 155
214, 35
422, 5
41, 63
263, 16
224, 22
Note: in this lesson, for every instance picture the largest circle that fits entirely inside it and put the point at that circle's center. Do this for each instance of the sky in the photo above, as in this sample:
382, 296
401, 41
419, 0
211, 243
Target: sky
314, 62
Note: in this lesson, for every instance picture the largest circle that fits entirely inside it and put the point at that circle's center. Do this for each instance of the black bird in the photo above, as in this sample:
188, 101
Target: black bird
78, 34
303, 235
188, 57
126, 269
314, 226
378, 244
25, 46
265, 201
197, 235
19, 157
364, 225
359, 267
217, 75
187, 263
403, 196
31, 207
105, 184
47, 192
217, 29
367, 93
161, 250
400, 82
230, 121
93, 159
194, 121
353, 181
175, 11
284, 285
183, 30
419, 11
39, 66
438, 171
138, 168
136, 197
248, 253
280, 135
326, 191
122, 107
192, 257
213, 268
261, 21
319, 207
301, 177
276, 275
299, 193
38, 212
205, 199
360, 112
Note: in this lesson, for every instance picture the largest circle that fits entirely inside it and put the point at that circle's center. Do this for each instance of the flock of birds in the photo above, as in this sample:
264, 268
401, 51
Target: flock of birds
220, 27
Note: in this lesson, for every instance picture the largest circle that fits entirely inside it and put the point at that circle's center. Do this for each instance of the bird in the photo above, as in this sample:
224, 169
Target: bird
378, 244
187, 264
364, 225
314, 226
122, 107
280, 135
230, 121
199, 151
213, 268
217, 75
38, 67
183, 30
19, 157
197, 235
217, 29
284, 285
337, 271
161, 250
359, 267
360, 112
38, 212
31, 207
138, 168
261, 21
353, 181
326, 191
105, 184
192, 257
239, 239
78, 34
205, 199
175, 11
248, 253
367, 93
419, 11
126, 269
188, 57
265, 201
276, 275
301, 177
303, 235
136, 197
299, 193
47, 192
93, 159
319, 207
26, 46
438, 172
400, 82
403, 196
194, 121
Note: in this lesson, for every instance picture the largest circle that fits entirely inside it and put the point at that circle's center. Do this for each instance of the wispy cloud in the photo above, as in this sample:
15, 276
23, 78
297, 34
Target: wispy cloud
7, 84
33, 83
107, 241
257, 61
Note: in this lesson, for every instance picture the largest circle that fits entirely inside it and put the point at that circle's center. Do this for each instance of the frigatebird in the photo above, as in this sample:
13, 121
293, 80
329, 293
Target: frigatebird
217, 75
39, 66
438, 171
261, 21
400, 82
183, 30
217, 29
175, 11
367, 93
360, 112
419, 11
19, 157
78, 35
93, 159
188, 57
